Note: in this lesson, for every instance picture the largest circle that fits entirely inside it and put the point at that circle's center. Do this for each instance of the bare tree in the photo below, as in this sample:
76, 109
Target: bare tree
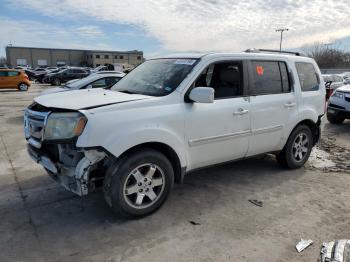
3, 61
328, 55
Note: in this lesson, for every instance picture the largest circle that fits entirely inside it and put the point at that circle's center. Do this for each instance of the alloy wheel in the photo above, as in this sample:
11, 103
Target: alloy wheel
144, 185
300, 147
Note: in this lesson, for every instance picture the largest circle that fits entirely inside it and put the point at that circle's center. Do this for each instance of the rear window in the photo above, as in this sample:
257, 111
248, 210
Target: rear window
269, 77
309, 79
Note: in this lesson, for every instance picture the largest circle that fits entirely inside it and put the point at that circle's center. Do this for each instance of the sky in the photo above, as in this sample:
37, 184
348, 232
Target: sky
158, 26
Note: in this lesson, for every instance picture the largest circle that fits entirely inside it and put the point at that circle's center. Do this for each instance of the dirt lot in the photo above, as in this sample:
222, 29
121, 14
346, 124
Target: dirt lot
40, 221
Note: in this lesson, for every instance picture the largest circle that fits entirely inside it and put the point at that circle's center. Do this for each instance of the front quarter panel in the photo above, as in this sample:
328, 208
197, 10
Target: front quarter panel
118, 131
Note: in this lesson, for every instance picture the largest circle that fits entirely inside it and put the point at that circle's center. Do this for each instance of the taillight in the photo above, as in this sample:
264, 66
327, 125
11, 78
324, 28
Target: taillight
26, 77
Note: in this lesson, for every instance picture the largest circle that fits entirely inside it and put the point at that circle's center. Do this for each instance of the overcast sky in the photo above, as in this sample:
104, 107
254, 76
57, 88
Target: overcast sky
159, 26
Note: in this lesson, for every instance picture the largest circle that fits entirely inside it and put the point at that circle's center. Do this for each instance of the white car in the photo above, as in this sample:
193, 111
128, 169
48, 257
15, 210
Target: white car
172, 115
338, 108
336, 80
91, 81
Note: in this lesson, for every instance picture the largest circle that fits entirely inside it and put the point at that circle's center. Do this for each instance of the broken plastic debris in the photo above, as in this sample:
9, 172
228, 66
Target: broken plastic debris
256, 202
303, 244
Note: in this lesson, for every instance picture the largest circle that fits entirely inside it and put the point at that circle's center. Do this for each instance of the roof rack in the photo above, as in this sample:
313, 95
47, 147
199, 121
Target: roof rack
272, 51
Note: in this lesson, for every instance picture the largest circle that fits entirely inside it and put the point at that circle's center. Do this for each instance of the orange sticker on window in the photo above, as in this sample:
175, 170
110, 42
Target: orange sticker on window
260, 70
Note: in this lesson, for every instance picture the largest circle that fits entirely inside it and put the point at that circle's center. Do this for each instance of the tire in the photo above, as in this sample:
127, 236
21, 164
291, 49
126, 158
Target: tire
335, 119
23, 87
297, 149
56, 81
131, 172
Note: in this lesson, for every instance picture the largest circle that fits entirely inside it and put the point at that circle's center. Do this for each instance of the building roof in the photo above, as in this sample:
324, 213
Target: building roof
84, 50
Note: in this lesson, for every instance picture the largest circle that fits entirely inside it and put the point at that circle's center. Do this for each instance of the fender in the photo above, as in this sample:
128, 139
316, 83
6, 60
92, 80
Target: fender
129, 138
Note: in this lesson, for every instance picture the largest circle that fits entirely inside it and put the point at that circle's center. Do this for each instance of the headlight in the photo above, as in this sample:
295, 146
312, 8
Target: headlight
338, 94
64, 125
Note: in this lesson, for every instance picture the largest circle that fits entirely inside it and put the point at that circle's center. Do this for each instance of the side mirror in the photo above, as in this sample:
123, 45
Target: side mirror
89, 87
202, 95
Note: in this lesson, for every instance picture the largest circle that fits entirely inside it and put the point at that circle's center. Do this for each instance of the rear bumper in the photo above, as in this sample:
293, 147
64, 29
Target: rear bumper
337, 111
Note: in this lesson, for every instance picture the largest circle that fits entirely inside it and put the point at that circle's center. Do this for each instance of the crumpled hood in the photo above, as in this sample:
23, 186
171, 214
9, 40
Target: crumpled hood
345, 88
85, 99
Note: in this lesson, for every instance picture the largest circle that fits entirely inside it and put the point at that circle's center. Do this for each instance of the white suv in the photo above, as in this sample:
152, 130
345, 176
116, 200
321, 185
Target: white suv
172, 115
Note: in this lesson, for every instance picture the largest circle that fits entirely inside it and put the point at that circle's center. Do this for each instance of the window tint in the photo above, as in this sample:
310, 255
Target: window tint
121, 57
106, 56
13, 73
3, 73
267, 78
309, 80
225, 78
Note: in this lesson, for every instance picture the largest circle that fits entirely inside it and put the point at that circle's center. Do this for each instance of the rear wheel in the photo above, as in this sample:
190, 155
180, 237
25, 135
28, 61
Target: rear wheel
298, 148
139, 184
335, 119
56, 81
23, 87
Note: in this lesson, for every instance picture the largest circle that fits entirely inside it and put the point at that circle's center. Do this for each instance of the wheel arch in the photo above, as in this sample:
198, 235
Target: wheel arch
167, 151
314, 127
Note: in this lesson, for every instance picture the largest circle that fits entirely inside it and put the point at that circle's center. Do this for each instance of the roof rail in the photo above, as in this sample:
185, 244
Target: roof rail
272, 51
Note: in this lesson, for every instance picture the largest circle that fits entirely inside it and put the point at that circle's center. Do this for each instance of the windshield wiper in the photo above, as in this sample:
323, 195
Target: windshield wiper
127, 92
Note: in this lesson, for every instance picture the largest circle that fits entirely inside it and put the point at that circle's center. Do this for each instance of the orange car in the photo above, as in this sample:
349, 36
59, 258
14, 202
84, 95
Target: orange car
12, 78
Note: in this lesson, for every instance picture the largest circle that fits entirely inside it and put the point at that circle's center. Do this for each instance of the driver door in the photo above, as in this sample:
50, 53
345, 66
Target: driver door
220, 131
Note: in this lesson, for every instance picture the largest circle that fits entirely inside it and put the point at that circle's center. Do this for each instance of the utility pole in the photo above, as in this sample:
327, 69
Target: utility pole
281, 30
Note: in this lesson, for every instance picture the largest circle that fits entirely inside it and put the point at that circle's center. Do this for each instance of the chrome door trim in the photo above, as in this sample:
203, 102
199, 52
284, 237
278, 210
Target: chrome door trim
267, 129
206, 140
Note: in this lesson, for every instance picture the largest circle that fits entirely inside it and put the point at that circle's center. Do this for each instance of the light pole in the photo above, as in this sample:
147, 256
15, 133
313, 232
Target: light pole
281, 30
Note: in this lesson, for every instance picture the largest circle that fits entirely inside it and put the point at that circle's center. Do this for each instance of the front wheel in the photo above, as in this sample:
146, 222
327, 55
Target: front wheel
138, 184
23, 87
56, 82
298, 148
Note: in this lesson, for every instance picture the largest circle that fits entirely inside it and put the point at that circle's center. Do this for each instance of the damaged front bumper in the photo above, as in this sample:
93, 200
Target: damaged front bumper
74, 178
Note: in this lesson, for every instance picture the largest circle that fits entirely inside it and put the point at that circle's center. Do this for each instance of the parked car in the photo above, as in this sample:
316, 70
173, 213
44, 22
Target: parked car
334, 81
92, 81
338, 108
65, 75
173, 115
11, 78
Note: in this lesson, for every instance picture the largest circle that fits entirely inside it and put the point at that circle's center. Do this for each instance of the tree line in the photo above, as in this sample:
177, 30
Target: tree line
328, 56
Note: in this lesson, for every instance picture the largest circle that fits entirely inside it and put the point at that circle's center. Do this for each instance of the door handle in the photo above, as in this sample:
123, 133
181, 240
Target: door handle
289, 105
240, 112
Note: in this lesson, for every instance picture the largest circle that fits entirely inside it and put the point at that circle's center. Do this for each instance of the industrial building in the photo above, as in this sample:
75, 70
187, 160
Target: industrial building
34, 56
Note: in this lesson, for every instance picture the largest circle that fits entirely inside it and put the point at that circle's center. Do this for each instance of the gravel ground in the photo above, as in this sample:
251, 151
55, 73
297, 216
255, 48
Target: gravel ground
208, 218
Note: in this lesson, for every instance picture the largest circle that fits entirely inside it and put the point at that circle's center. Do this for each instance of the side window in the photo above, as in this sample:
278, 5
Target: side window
110, 81
3, 73
13, 73
309, 80
269, 77
99, 83
226, 78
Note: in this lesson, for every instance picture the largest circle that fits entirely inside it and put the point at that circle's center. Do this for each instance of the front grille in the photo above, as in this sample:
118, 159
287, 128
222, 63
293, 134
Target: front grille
34, 124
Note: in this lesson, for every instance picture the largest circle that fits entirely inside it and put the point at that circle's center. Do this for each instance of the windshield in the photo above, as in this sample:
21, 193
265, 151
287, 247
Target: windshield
157, 77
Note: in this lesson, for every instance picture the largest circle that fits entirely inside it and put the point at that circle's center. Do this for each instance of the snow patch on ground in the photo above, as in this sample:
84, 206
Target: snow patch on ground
320, 159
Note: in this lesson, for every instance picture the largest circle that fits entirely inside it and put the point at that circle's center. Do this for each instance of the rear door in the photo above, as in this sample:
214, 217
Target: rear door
273, 105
